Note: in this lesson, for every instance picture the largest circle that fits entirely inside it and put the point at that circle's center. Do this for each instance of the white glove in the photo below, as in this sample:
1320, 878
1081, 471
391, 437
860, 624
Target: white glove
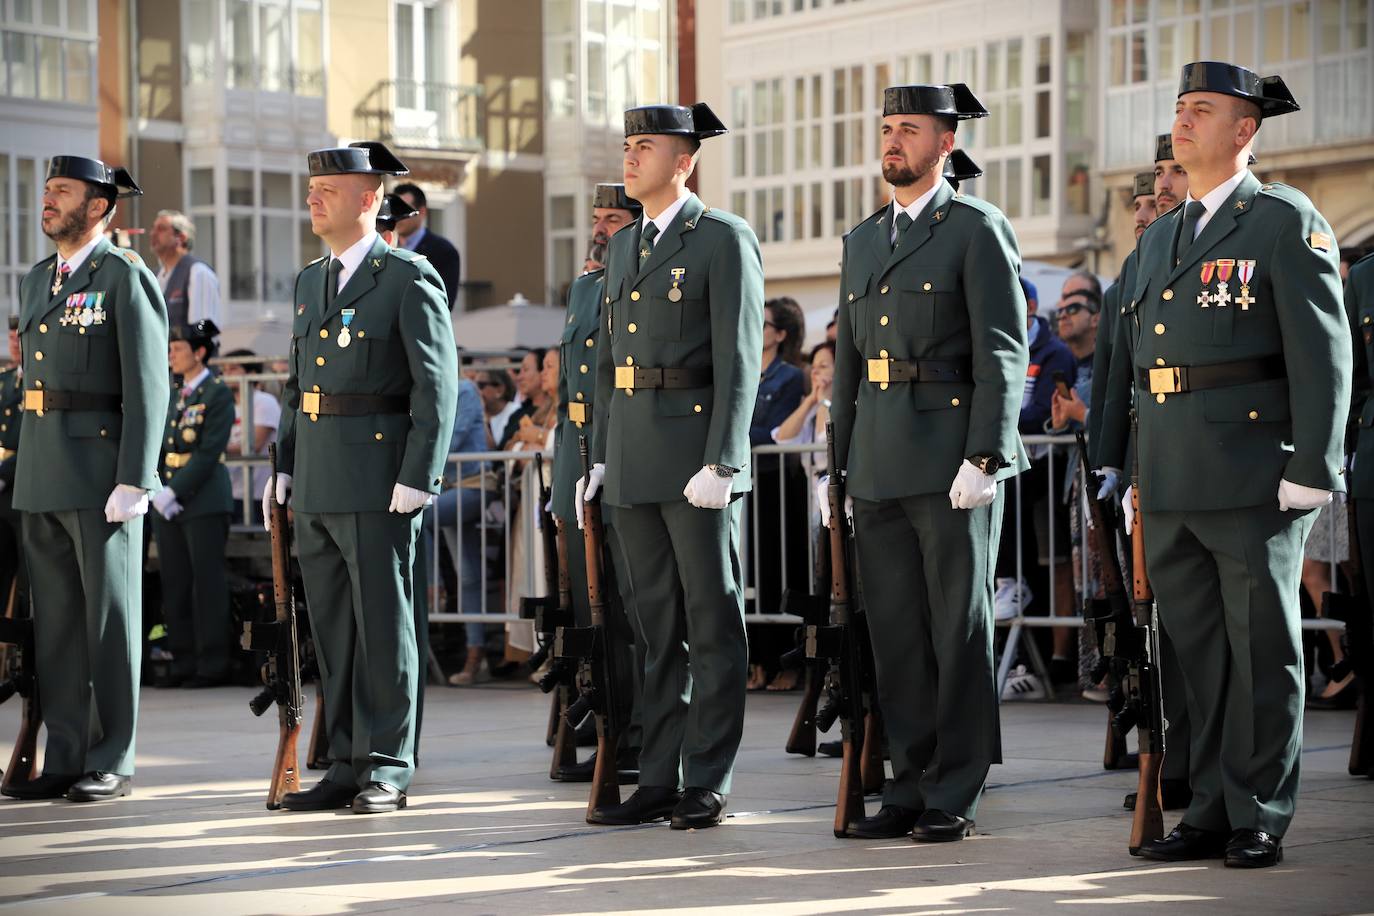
823, 501
125, 503
406, 500
1110, 478
587, 488
283, 496
166, 504
1128, 509
708, 490
972, 488
1296, 496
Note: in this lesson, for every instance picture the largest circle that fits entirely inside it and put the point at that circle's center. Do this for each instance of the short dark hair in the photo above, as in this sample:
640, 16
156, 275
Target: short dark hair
1089, 297
688, 144
502, 377
1094, 283
417, 196
823, 345
1244, 108
107, 194
948, 123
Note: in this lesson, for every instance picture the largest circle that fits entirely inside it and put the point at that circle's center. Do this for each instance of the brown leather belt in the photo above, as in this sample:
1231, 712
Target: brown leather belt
580, 412
177, 459
43, 399
883, 371
352, 405
1181, 379
632, 377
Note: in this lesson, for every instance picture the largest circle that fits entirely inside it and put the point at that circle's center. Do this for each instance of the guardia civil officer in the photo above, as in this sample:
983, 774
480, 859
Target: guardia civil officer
612, 210
366, 416
93, 328
193, 509
930, 361
1242, 358
677, 376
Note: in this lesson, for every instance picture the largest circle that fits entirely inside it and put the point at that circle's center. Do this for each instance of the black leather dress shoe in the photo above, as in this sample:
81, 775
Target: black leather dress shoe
830, 748
1175, 794
49, 785
936, 826
324, 795
647, 804
379, 798
890, 822
1253, 849
699, 808
1185, 843
627, 770
99, 787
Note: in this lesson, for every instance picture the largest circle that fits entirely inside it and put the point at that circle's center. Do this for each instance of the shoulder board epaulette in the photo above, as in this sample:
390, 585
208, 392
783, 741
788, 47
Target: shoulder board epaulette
129, 255
316, 261
1367, 258
974, 203
405, 254
1286, 193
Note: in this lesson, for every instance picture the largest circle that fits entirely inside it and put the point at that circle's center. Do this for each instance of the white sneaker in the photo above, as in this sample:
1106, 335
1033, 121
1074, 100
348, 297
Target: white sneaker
1022, 685
1011, 598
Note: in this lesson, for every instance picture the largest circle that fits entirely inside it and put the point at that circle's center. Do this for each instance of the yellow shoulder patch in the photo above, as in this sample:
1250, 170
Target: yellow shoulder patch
129, 255
1320, 240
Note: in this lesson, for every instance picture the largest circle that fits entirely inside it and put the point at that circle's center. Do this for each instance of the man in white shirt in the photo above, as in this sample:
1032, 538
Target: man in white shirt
189, 285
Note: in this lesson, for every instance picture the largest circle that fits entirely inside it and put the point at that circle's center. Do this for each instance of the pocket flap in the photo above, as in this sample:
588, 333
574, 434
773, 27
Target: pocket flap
930, 281
684, 402
1262, 402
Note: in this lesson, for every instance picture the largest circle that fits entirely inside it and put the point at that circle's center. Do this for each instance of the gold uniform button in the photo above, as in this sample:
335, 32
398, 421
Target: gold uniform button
81, 330
882, 386
1159, 361
632, 327
319, 360
696, 408
324, 335
43, 328
634, 296
1159, 329
38, 384
1159, 398
315, 388
1368, 319
851, 297
883, 290
362, 334
608, 302
590, 342
883, 354
169, 440
629, 392
38, 355
629, 360
377, 436
925, 286
1167, 295
953, 402
104, 432
1254, 414
883, 321
582, 368
579, 396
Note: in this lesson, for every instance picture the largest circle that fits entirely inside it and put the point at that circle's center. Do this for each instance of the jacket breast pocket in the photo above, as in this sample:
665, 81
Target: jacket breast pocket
1262, 402
863, 320
79, 349
924, 300
670, 305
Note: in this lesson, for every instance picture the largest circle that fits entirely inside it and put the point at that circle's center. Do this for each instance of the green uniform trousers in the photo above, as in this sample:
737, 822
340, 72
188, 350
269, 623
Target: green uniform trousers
87, 590
927, 572
357, 568
195, 594
1227, 584
622, 623
1178, 735
688, 585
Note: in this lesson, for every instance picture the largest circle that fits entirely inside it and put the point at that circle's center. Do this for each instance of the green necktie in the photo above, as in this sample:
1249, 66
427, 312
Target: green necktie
646, 243
1191, 214
904, 222
331, 282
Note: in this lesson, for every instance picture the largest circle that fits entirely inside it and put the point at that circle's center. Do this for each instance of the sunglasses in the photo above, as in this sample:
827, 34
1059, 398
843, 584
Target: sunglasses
488, 384
1072, 308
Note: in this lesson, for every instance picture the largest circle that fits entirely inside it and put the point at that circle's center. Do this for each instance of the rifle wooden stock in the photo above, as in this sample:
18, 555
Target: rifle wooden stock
601, 666
1148, 821
563, 734
871, 766
802, 738
814, 609
283, 665
23, 679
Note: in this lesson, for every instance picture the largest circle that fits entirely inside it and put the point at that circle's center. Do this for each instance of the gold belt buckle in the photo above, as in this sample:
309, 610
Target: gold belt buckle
625, 377
310, 402
33, 399
879, 370
1166, 381
577, 412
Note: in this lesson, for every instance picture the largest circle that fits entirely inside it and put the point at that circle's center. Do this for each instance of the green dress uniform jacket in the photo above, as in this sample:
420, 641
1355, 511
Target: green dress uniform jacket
103, 334
697, 304
357, 558
190, 547
11, 416
1359, 305
1103, 350
947, 290
1225, 562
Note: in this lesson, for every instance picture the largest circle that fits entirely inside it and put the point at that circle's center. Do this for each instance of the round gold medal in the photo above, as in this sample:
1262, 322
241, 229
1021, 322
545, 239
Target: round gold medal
188, 435
674, 295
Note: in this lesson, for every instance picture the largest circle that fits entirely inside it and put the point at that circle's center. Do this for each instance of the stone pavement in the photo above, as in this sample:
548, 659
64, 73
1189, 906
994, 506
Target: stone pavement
486, 832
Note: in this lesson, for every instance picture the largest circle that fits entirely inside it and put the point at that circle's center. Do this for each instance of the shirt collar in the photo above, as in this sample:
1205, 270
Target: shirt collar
665, 219
353, 255
916, 207
1214, 198
193, 384
413, 242
80, 257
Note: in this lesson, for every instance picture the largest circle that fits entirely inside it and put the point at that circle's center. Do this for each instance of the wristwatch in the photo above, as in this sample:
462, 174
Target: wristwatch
988, 464
723, 471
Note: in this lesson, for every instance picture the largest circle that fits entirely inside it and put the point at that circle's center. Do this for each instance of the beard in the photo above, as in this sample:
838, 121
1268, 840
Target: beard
903, 175
596, 251
66, 228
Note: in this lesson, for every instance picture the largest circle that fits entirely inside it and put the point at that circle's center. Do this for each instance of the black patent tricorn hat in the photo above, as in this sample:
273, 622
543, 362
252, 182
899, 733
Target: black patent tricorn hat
1164, 147
366, 157
200, 334
611, 195
953, 101
394, 209
960, 167
93, 171
1268, 92
698, 121
1144, 184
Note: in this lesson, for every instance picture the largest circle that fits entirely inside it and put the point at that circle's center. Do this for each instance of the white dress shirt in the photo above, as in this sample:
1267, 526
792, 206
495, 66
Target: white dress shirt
353, 256
79, 258
202, 292
1214, 198
913, 210
665, 219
